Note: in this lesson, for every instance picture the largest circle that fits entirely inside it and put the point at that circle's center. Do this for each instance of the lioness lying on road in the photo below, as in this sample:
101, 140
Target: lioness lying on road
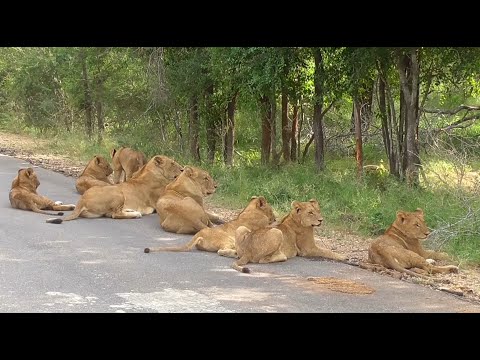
95, 174
130, 199
292, 237
23, 195
126, 161
400, 247
257, 214
181, 207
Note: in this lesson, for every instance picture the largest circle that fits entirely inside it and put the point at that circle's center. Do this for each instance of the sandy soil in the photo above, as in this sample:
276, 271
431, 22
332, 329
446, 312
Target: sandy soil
465, 284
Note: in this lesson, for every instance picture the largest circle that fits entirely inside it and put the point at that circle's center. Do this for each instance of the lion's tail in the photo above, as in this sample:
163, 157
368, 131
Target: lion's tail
237, 265
75, 214
187, 247
242, 269
40, 211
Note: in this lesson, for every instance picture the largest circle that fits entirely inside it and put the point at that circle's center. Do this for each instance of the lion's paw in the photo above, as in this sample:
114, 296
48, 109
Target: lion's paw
58, 203
430, 261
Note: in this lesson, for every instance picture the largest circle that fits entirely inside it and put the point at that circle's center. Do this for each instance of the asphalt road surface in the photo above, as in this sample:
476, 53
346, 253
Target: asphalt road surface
98, 265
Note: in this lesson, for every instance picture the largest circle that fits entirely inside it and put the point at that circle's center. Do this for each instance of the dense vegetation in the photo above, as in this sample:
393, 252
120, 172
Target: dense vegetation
366, 131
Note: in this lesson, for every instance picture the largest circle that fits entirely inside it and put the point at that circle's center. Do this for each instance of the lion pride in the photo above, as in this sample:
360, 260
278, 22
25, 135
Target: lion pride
95, 174
180, 208
400, 247
258, 213
126, 162
130, 199
23, 195
293, 236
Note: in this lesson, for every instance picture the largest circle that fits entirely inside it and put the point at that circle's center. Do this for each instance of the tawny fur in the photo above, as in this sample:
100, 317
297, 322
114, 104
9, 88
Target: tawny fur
258, 213
293, 236
23, 195
400, 247
132, 198
126, 162
180, 208
95, 174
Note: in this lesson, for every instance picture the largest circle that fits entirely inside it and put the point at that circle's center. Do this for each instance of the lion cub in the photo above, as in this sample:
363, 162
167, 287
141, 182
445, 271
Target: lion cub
23, 195
126, 162
400, 248
258, 213
95, 174
293, 236
181, 207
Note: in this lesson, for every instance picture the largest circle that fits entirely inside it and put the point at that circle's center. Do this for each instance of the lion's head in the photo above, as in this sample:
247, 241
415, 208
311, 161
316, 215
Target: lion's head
307, 213
161, 165
412, 224
26, 178
258, 203
202, 179
98, 165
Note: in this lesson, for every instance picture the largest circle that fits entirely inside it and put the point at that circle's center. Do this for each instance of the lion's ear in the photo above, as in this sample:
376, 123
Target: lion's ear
262, 201
97, 160
296, 205
187, 170
253, 197
158, 160
401, 215
29, 171
112, 153
419, 213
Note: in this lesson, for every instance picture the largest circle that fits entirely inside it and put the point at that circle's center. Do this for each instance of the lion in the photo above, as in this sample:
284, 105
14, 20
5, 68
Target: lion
400, 247
293, 236
23, 195
126, 162
181, 208
258, 213
130, 199
95, 174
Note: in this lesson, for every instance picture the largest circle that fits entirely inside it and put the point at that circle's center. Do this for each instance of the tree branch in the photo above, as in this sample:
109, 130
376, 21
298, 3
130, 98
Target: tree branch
327, 108
450, 112
457, 124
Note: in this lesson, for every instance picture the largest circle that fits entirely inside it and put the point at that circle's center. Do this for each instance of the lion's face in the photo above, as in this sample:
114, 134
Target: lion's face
203, 179
412, 224
26, 178
169, 168
102, 165
308, 213
261, 203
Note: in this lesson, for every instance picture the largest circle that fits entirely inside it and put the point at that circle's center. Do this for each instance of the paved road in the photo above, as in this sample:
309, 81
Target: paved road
98, 265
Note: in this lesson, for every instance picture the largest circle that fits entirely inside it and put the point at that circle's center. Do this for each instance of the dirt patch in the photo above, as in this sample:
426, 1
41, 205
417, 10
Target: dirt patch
465, 284
342, 285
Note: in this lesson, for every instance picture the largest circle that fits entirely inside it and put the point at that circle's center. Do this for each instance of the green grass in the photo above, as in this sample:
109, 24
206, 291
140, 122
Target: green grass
365, 207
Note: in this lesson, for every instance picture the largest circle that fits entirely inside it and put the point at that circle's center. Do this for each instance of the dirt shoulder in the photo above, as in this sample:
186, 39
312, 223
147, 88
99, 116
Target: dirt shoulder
465, 284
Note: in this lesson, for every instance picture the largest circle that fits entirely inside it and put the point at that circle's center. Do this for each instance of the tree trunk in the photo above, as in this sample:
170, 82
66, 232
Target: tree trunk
230, 132
210, 126
293, 133
387, 131
266, 110
408, 66
358, 137
273, 121
318, 132
87, 94
300, 127
99, 109
193, 129
286, 137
